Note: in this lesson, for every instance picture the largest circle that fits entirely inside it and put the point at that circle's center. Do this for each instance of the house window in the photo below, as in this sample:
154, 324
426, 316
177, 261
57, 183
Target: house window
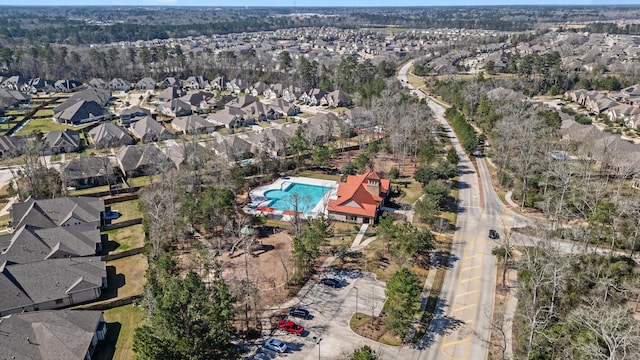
352, 218
59, 301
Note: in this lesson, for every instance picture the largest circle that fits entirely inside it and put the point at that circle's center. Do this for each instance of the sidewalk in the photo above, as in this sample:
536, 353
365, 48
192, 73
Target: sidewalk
360, 235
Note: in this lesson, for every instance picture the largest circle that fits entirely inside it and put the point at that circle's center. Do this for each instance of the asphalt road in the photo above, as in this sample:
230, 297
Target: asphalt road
462, 323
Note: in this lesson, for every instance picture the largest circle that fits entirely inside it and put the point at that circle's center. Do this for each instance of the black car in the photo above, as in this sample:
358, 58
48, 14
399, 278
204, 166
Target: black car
493, 234
299, 313
334, 283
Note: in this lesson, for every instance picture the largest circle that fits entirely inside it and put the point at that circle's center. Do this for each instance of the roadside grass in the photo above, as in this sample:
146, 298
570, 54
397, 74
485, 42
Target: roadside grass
358, 319
414, 80
125, 238
389, 338
121, 324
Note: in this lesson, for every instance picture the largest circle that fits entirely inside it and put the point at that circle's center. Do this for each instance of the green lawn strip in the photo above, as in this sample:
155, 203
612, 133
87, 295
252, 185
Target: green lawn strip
125, 238
310, 174
43, 113
411, 192
90, 190
128, 210
121, 324
358, 319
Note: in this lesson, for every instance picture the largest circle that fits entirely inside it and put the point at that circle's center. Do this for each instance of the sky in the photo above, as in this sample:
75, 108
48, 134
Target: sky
301, 3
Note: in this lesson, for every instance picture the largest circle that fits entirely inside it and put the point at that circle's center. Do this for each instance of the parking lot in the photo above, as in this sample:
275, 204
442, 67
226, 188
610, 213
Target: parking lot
330, 310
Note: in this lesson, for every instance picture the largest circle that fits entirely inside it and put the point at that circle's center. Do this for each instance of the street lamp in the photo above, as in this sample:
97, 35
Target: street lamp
318, 340
357, 317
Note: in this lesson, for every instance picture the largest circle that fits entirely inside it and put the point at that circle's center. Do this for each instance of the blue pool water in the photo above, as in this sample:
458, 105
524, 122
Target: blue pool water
308, 197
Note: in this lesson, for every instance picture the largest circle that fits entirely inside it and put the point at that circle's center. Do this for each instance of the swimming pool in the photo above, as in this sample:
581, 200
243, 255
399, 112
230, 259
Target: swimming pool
308, 196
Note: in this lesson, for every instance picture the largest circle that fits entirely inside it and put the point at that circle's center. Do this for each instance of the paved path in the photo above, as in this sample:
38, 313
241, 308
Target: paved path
360, 235
5, 210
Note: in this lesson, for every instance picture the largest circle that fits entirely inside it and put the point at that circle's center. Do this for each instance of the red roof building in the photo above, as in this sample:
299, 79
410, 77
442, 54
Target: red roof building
359, 198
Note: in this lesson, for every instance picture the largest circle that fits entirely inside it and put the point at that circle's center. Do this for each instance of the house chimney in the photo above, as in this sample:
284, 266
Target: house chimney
373, 186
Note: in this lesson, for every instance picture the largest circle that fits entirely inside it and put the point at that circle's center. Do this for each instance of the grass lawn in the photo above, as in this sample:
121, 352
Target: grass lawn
44, 125
128, 209
390, 338
305, 115
121, 324
43, 113
90, 190
277, 223
128, 279
310, 174
411, 192
125, 238
4, 220
414, 80
142, 180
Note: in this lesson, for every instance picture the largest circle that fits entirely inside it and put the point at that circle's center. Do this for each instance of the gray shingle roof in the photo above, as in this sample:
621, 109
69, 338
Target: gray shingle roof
48, 335
48, 280
108, 134
45, 213
140, 157
86, 167
30, 244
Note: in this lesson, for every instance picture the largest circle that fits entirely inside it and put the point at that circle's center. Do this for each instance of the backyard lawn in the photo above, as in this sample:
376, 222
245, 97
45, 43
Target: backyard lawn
121, 324
128, 210
125, 238
44, 125
320, 176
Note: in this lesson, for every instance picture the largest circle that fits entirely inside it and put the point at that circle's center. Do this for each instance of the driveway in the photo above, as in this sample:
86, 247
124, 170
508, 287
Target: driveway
331, 310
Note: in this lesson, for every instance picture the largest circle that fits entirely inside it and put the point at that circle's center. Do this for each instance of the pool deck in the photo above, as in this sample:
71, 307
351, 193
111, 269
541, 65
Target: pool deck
260, 203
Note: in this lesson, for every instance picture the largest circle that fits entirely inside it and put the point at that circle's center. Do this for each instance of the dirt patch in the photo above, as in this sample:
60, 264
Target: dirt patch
269, 265
372, 329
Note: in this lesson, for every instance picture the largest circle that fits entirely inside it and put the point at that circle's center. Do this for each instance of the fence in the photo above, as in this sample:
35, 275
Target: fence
120, 255
121, 224
112, 304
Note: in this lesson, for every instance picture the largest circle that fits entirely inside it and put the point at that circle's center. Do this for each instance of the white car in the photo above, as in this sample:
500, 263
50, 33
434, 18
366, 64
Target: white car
275, 345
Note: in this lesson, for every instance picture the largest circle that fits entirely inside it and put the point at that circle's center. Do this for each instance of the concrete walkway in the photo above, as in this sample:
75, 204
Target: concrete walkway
508, 197
358, 239
510, 313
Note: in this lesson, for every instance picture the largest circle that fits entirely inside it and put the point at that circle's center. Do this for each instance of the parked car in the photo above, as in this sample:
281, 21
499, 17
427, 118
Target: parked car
290, 327
334, 283
299, 313
275, 345
493, 234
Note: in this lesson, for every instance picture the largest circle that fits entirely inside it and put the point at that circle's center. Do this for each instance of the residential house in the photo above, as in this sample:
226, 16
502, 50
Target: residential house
169, 82
168, 94
183, 154
230, 117
274, 92
292, 93
285, 108
82, 112
52, 335
359, 198
242, 101
232, 148
146, 83
11, 146
50, 284
36, 85
219, 83
140, 160
336, 98
108, 135
98, 83
100, 96
258, 111
149, 130
194, 124
322, 127
30, 244
132, 113
259, 88
195, 83
117, 84
176, 108
65, 211
313, 97
272, 141
65, 141
236, 86
198, 99
219, 101
87, 171
67, 86
12, 98
15, 82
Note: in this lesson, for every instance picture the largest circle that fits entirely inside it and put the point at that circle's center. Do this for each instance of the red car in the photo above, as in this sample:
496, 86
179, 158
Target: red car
291, 327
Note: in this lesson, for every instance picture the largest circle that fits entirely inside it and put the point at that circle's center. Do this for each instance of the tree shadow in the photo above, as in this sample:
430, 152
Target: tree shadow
106, 348
443, 259
441, 324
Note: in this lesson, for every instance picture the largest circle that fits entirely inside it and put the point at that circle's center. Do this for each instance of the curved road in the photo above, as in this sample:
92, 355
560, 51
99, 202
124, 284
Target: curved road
462, 323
